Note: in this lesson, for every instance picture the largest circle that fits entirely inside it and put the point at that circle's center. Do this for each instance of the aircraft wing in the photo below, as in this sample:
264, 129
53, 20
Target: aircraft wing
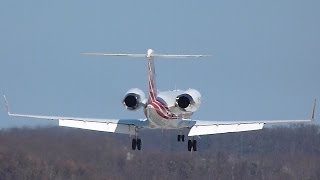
123, 126
199, 127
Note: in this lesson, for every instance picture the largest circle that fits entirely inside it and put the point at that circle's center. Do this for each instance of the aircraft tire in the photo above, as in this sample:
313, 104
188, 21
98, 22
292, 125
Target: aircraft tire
134, 144
194, 144
139, 144
189, 145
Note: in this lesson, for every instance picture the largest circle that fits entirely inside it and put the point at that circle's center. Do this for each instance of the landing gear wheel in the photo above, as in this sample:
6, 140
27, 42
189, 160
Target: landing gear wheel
134, 144
178, 137
139, 144
194, 144
182, 138
189, 145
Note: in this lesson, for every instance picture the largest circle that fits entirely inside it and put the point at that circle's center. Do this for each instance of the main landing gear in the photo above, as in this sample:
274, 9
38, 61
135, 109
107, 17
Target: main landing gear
192, 144
136, 144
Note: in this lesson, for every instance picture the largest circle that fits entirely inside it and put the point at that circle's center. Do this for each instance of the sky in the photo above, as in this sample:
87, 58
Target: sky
264, 63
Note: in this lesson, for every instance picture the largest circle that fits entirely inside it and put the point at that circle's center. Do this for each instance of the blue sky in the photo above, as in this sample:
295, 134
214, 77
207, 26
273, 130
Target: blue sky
264, 65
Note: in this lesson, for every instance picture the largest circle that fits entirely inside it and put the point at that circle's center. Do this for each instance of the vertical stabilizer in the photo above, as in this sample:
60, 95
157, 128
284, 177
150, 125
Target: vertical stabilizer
151, 76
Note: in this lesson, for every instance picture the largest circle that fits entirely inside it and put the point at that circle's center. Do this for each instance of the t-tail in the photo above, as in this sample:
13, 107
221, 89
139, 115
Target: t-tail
150, 56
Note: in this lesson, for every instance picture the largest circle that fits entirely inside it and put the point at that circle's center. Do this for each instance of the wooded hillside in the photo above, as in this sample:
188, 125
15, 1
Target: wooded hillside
63, 153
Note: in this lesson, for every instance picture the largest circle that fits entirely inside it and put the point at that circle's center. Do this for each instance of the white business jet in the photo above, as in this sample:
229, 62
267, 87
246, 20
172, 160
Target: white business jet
163, 110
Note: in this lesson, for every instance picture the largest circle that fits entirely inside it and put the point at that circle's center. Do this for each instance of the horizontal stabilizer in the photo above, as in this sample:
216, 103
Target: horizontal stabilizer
119, 55
178, 56
150, 54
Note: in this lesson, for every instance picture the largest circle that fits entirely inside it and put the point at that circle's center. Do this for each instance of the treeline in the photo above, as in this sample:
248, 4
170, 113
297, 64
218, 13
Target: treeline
64, 153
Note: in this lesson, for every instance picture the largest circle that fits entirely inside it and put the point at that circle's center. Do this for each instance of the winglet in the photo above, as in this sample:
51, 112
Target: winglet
313, 110
7, 105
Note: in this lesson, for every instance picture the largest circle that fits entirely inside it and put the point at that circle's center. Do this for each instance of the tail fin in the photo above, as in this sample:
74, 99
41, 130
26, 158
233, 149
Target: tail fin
151, 80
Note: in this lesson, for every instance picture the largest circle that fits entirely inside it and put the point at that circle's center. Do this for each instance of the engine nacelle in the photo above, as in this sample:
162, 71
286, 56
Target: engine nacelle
134, 99
189, 101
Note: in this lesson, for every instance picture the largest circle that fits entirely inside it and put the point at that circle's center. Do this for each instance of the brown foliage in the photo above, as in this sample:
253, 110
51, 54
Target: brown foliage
63, 153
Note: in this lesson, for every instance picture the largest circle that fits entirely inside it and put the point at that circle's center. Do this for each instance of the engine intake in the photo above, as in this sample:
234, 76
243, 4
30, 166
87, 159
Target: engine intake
189, 101
184, 100
134, 99
131, 101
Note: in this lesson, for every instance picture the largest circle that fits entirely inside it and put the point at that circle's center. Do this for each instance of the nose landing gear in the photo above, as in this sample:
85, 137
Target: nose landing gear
180, 138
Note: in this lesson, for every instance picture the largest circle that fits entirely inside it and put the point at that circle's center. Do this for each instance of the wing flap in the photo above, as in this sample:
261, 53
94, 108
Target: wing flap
198, 130
99, 126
